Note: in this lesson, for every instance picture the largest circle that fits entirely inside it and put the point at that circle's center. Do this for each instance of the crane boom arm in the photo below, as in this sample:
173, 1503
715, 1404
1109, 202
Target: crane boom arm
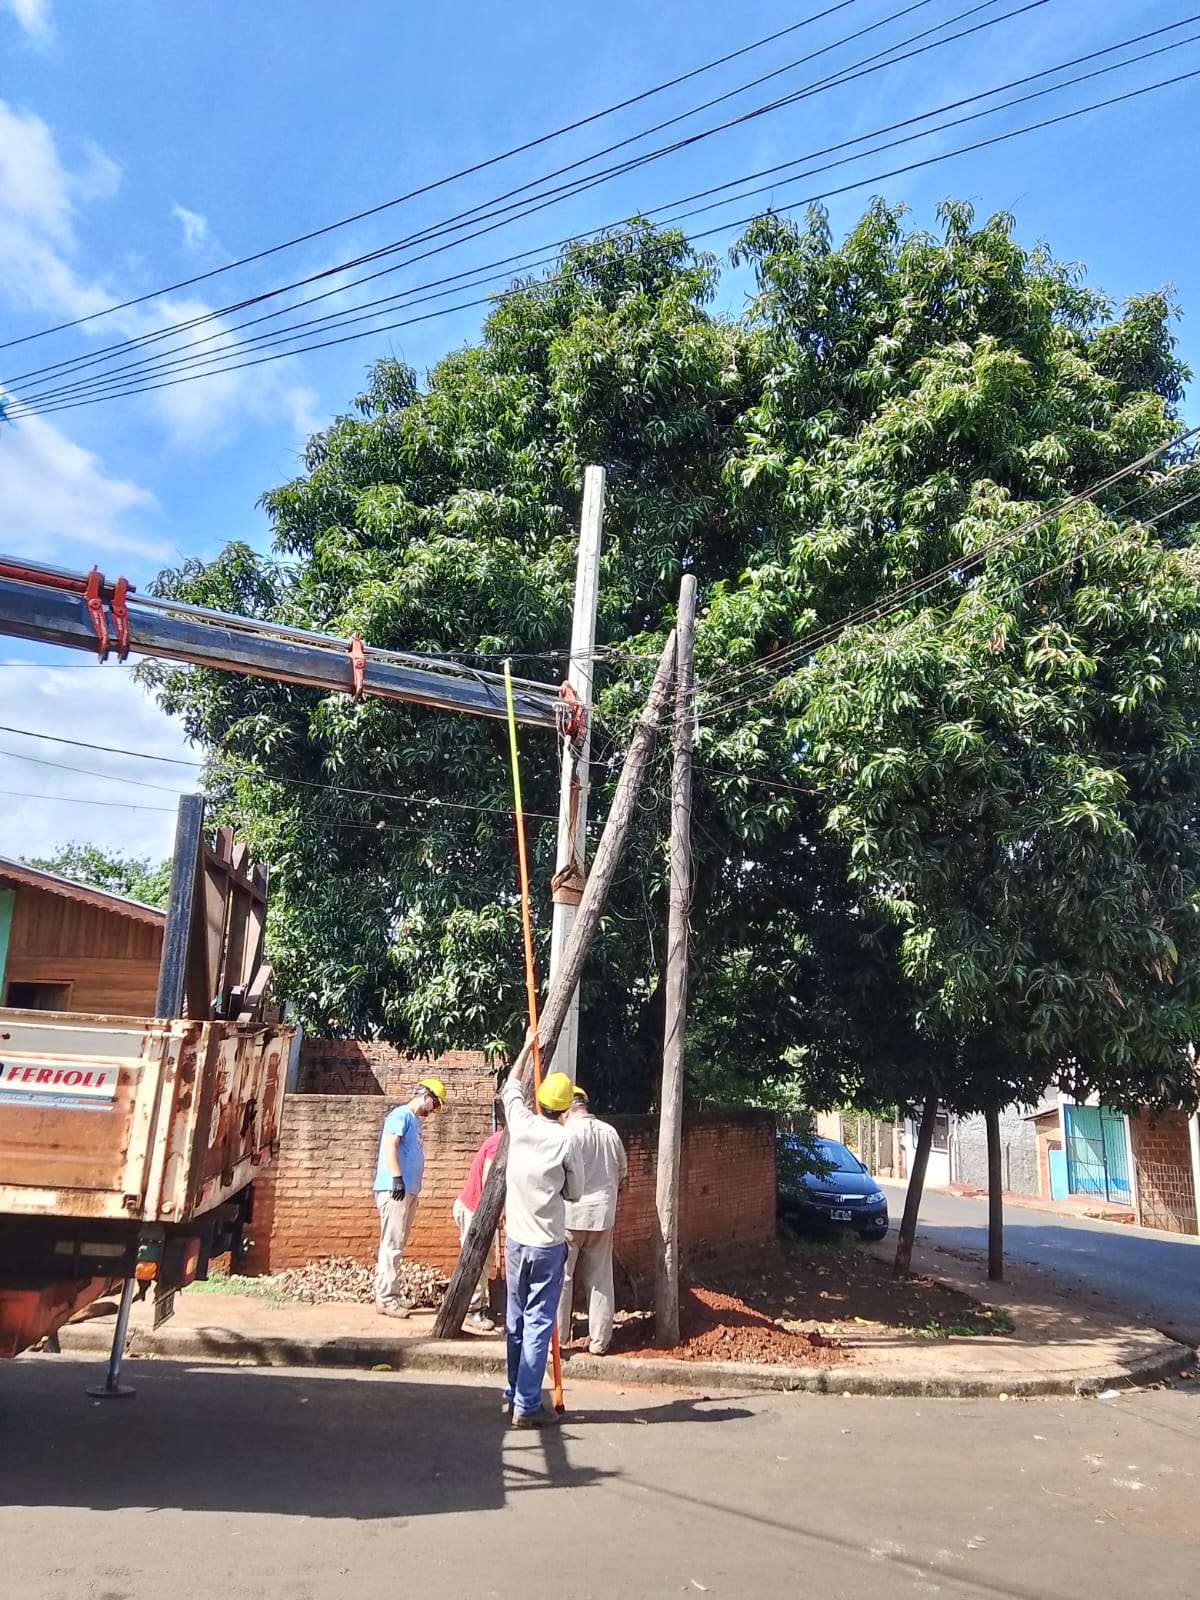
85, 613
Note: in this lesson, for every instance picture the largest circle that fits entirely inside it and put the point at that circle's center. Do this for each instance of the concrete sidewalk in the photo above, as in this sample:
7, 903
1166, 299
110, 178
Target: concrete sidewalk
1074, 1206
1058, 1347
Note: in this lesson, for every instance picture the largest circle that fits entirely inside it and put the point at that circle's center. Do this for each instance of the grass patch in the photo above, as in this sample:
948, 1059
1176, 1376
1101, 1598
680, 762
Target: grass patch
220, 1282
986, 1321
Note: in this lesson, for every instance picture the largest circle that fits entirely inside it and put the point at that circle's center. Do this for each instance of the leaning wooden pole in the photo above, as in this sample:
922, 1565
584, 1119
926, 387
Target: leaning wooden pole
670, 1118
558, 1001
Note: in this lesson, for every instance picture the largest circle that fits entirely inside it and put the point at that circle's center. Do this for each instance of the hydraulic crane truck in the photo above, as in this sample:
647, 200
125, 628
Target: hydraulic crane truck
128, 1146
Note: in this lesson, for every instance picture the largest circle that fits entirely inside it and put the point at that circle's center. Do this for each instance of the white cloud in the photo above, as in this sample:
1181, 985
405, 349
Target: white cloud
53, 493
40, 202
196, 233
33, 15
37, 206
104, 705
99, 176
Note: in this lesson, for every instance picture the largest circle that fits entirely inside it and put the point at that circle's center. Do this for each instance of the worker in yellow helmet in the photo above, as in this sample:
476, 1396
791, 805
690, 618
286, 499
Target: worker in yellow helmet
398, 1175
543, 1174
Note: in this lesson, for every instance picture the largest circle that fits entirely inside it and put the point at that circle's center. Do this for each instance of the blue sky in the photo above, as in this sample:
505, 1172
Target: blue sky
143, 143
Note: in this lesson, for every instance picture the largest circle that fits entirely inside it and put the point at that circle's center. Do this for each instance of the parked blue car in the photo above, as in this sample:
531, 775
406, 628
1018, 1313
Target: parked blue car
821, 1183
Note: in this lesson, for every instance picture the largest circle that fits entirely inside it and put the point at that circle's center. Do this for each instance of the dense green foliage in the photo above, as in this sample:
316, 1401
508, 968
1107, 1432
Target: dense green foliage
134, 877
950, 848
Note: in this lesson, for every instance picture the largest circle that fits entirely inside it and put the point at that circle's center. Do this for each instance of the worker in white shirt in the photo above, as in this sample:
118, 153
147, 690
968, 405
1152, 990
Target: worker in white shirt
544, 1172
590, 1222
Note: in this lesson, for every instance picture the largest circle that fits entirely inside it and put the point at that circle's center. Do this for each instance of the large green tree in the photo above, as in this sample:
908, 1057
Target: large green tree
883, 409
135, 877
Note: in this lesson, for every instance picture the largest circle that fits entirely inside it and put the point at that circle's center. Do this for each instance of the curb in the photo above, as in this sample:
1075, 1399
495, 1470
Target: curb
487, 1359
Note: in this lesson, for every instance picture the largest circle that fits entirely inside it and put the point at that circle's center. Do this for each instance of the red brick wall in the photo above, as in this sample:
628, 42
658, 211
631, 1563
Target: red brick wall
1163, 1158
315, 1200
363, 1066
727, 1190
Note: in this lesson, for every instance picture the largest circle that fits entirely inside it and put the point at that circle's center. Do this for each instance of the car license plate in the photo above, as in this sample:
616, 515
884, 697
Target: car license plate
839, 1216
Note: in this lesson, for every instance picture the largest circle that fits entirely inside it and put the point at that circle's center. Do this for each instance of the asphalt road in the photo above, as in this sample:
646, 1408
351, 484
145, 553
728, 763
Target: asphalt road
264, 1485
1153, 1276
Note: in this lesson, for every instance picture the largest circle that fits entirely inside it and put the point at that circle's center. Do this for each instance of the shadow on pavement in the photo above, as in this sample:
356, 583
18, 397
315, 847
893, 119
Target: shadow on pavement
277, 1443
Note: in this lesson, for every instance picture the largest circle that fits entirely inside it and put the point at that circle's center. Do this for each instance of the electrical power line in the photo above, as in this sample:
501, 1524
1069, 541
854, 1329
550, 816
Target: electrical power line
87, 800
869, 64
241, 767
172, 358
438, 183
1107, 543
395, 245
87, 744
87, 772
1036, 581
137, 387
954, 568
900, 599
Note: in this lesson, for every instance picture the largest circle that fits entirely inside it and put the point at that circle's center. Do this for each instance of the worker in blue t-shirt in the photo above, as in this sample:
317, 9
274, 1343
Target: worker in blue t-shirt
398, 1176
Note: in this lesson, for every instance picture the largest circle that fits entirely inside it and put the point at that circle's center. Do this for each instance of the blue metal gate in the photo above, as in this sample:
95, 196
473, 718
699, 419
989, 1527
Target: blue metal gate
1097, 1159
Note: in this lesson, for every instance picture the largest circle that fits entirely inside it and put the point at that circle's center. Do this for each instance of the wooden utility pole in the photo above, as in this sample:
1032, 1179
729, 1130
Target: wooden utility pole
995, 1198
670, 1122
571, 859
558, 1001
916, 1185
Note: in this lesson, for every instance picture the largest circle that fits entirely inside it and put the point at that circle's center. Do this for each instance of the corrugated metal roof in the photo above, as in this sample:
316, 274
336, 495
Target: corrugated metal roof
16, 875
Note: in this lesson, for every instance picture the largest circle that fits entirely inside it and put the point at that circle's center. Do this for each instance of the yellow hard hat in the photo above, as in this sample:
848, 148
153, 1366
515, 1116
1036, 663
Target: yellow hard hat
580, 1094
436, 1088
556, 1093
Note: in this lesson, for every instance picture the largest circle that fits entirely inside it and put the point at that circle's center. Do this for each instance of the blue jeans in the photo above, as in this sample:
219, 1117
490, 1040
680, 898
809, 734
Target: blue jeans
535, 1275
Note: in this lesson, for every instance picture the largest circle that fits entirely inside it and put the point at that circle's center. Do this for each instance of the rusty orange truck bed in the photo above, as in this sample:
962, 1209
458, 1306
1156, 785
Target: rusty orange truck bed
126, 1146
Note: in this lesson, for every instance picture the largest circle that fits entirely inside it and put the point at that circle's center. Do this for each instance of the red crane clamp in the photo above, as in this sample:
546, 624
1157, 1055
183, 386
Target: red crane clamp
95, 609
572, 716
120, 616
358, 665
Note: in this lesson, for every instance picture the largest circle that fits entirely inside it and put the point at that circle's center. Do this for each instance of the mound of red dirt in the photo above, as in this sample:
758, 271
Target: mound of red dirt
721, 1327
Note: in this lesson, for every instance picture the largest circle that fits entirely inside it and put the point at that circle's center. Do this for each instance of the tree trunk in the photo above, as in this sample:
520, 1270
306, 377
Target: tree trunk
995, 1199
916, 1185
587, 919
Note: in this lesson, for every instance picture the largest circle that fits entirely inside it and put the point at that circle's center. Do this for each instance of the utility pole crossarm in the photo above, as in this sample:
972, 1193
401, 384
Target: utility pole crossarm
37, 604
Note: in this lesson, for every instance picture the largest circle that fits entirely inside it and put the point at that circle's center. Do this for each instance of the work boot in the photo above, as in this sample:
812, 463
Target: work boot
394, 1311
480, 1322
536, 1419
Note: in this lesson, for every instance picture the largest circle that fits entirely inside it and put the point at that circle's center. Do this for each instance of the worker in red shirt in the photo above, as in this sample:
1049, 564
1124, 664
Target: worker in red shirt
465, 1207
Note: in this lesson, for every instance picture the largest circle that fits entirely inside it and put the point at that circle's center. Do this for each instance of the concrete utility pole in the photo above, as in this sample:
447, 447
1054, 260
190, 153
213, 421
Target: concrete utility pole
571, 861
604, 869
670, 1123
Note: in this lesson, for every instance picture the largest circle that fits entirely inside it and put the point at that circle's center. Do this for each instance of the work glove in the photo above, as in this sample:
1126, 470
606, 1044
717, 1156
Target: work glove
398, 1189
